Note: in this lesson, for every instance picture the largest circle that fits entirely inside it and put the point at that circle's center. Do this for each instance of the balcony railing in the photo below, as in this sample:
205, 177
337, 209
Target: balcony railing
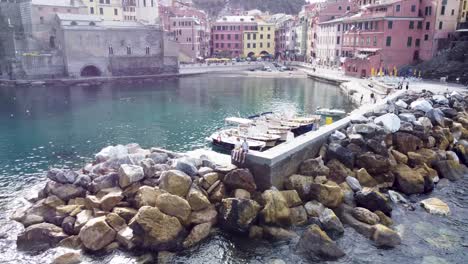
463, 25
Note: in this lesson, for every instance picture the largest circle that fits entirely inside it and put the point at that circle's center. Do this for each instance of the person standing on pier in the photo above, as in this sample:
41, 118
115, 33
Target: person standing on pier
245, 149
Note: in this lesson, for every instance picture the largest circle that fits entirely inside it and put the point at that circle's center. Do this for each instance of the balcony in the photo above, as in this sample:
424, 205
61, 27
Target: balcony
462, 26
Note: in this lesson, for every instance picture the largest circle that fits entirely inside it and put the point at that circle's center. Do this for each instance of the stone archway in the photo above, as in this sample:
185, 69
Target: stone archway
264, 53
251, 54
90, 71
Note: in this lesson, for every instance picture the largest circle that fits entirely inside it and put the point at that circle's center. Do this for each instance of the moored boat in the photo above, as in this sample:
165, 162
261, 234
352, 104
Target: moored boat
330, 112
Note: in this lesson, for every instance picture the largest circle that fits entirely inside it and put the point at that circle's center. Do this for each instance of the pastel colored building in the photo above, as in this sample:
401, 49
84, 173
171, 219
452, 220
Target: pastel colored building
328, 42
106, 9
285, 39
192, 37
463, 14
129, 10
259, 40
227, 35
389, 34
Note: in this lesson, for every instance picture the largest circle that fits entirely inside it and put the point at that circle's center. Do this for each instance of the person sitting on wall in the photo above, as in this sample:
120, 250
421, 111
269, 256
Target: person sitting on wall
236, 152
245, 150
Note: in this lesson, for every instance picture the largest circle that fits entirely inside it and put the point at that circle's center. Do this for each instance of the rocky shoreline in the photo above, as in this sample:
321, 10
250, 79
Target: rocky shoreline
158, 201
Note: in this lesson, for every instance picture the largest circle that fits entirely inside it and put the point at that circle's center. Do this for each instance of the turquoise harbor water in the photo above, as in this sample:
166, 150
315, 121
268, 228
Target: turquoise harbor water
64, 126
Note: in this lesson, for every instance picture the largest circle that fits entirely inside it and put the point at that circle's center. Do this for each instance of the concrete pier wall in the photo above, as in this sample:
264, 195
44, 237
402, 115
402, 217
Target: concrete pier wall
221, 67
273, 166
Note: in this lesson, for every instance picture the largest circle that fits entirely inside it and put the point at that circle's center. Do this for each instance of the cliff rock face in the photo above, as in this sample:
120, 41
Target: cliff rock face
451, 63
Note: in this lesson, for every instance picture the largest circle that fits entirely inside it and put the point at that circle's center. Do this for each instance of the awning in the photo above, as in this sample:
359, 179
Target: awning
368, 49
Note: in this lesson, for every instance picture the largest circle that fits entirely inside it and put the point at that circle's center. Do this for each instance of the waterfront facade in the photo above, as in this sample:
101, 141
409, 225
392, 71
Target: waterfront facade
259, 40
328, 41
192, 37
227, 35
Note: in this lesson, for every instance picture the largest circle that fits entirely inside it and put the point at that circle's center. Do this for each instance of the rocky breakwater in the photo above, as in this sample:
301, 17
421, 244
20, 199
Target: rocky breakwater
407, 147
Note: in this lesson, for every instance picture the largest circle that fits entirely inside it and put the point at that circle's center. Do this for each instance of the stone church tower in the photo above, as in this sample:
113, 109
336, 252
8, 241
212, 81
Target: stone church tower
147, 12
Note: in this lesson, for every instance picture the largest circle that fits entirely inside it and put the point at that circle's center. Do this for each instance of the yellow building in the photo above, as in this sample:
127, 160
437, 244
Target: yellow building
463, 17
260, 41
106, 9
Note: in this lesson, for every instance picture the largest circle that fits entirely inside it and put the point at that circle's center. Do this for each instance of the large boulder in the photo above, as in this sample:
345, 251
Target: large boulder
298, 215
330, 223
65, 191
436, 116
292, 198
198, 233
146, 196
62, 176
314, 167
278, 233
110, 180
450, 169
409, 181
111, 152
187, 167
40, 237
207, 215
390, 122
373, 163
157, 230
129, 174
373, 200
435, 206
329, 194
110, 200
175, 182
314, 208
344, 155
385, 237
365, 179
276, 210
197, 199
238, 214
421, 105
174, 205
126, 213
407, 142
240, 179
97, 234
302, 184
338, 171
316, 244
366, 216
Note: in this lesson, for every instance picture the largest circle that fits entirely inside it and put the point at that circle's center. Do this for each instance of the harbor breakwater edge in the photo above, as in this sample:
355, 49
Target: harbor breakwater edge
154, 201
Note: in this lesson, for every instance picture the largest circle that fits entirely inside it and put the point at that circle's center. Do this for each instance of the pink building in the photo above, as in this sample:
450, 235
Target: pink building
227, 35
388, 34
191, 36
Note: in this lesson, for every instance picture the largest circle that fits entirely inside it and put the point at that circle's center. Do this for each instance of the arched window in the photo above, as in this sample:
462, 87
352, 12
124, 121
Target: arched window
129, 50
111, 50
147, 50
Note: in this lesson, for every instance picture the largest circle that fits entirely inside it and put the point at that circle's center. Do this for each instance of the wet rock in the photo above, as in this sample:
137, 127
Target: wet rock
204, 171
62, 176
373, 163
298, 215
440, 99
110, 200
390, 122
408, 180
256, 232
425, 122
345, 156
359, 119
366, 216
68, 258
217, 192
40, 237
385, 237
238, 214
158, 158
198, 233
402, 104
292, 198
450, 169
129, 174
384, 219
276, 210
337, 136
302, 184
242, 194
373, 200
436, 116
449, 112
207, 215
330, 194
378, 147
82, 218
175, 182
240, 179
278, 234
315, 243
186, 167
365, 179
149, 167
125, 237
197, 199
158, 230
314, 167
344, 212
72, 242
357, 139
174, 205
435, 206
68, 225
209, 179
353, 184
406, 142
364, 129
97, 234
330, 223
314, 208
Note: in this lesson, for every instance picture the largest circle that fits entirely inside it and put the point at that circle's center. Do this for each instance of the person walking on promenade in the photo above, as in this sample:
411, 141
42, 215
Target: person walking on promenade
407, 85
362, 97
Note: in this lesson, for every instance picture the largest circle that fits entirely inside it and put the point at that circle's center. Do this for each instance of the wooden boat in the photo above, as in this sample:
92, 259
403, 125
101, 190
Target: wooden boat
330, 112
228, 142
